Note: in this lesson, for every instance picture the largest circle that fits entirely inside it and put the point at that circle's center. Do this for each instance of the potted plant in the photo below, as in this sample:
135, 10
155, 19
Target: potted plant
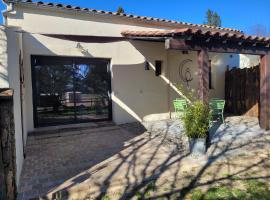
196, 123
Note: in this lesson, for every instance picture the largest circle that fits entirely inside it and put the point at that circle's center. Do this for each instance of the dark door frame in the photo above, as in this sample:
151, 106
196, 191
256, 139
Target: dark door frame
73, 60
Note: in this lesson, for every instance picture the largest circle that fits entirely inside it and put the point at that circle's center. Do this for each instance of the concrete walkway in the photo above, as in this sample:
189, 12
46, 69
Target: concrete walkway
124, 162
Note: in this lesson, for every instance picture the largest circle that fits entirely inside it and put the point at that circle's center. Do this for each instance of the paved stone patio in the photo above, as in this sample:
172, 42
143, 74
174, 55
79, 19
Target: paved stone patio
54, 158
121, 162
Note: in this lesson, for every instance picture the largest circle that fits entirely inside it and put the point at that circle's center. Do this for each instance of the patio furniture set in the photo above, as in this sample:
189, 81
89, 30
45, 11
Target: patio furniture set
216, 106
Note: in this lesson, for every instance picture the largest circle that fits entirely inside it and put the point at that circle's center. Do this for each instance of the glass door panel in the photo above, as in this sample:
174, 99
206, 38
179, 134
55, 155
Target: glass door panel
92, 89
70, 90
54, 83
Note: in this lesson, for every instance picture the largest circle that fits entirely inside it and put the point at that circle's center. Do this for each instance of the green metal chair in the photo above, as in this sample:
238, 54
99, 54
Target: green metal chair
214, 99
217, 108
180, 106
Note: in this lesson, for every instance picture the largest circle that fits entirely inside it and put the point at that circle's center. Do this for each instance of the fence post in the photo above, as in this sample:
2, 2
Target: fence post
8, 188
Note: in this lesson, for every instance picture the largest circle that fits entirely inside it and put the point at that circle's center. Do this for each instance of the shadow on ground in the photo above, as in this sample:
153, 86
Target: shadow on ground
145, 168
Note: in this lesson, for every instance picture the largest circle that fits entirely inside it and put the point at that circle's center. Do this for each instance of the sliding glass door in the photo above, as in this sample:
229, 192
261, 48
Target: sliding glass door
70, 90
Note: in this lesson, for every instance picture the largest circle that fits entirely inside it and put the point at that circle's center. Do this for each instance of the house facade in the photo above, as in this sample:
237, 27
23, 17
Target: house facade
59, 78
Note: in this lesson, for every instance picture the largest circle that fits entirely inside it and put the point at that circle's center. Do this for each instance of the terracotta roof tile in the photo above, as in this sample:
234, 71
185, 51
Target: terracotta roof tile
196, 31
152, 19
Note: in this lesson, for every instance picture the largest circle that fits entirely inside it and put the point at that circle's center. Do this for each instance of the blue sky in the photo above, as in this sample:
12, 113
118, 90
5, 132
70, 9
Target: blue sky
239, 14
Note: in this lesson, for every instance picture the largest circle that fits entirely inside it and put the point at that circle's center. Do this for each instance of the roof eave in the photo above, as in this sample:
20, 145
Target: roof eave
151, 20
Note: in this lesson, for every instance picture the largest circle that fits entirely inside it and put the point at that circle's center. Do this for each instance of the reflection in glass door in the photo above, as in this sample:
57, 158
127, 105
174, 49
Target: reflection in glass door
91, 87
70, 90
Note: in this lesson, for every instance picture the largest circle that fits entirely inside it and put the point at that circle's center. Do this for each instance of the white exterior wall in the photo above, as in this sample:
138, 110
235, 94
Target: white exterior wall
247, 61
10, 78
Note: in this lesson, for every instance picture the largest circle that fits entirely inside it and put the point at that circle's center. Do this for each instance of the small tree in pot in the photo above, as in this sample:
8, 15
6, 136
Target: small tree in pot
196, 123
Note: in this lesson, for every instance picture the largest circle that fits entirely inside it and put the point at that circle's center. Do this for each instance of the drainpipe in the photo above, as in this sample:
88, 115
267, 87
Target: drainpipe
21, 87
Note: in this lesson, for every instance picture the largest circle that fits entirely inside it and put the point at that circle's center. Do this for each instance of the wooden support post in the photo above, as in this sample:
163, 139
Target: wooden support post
203, 62
264, 111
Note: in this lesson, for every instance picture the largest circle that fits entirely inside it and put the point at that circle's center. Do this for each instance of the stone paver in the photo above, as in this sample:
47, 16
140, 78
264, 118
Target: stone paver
120, 161
52, 159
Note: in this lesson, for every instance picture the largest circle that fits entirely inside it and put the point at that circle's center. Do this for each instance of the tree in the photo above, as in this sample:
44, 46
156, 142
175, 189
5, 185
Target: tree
120, 10
212, 18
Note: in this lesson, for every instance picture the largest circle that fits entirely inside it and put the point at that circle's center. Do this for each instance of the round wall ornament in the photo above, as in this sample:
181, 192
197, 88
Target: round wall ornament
184, 72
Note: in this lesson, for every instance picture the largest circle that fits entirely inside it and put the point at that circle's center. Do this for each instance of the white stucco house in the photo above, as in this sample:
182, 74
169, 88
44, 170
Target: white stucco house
71, 65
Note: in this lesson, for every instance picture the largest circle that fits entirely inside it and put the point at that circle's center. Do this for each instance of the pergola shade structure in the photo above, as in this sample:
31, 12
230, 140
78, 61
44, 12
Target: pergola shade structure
212, 41
204, 41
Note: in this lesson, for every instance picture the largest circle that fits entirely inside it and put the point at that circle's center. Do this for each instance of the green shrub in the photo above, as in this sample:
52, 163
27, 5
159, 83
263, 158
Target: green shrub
253, 190
196, 120
219, 193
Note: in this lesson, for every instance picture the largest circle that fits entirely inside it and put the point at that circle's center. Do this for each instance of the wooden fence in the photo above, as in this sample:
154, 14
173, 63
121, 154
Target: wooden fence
242, 91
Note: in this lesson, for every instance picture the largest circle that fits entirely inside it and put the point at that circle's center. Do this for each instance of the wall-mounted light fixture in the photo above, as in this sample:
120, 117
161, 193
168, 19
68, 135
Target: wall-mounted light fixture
146, 65
184, 52
81, 48
158, 66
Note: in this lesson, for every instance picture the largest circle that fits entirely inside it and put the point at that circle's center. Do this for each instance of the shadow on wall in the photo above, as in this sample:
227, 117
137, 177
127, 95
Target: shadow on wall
148, 96
138, 93
149, 50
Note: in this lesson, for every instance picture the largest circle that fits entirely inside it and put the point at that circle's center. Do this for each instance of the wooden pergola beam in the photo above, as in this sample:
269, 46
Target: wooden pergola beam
217, 47
203, 87
264, 110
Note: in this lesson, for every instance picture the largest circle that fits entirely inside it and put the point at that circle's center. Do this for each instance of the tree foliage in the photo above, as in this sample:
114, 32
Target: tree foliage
212, 18
120, 10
